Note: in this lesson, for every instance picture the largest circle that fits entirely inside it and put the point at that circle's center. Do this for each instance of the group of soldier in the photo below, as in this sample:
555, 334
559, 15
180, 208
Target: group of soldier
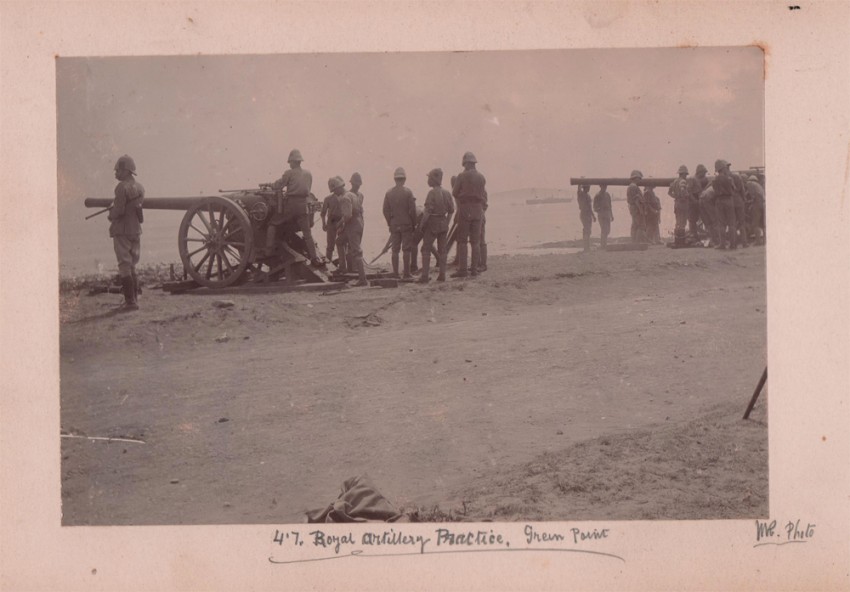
727, 210
410, 225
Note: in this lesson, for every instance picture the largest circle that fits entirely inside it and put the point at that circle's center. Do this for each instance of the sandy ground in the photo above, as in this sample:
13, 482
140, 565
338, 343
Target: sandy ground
555, 387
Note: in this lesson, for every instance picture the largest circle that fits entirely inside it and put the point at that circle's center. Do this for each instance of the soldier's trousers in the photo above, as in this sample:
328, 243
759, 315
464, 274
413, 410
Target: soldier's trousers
469, 231
128, 250
428, 248
636, 221
757, 219
332, 240
726, 223
352, 234
694, 215
604, 218
586, 227
680, 209
708, 213
741, 219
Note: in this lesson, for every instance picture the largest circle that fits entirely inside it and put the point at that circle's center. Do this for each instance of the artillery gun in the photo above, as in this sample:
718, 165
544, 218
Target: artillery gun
654, 181
222, 238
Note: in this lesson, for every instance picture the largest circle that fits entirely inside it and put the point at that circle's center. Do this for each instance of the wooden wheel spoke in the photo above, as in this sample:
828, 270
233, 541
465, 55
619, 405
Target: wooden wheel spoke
218, 264
234, 244
226, 225
210, 267
196, 240
196, 251
201, 262
227, 262
204, 220
199, 231
235, 254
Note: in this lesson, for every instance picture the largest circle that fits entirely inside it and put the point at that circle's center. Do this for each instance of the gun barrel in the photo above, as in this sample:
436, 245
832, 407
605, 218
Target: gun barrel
647, 181
151, 203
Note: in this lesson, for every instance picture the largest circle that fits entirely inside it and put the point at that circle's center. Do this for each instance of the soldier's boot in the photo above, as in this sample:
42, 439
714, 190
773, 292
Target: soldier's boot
395, 263
414, 261
360, 266
406, 262
128, 288
461, 262
136, 285
426, 268
482, 256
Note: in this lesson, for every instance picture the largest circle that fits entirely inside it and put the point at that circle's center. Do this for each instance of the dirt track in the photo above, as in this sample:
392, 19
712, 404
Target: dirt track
428, 389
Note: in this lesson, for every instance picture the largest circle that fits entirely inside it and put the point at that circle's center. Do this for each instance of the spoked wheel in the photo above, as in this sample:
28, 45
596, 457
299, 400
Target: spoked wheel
215, 241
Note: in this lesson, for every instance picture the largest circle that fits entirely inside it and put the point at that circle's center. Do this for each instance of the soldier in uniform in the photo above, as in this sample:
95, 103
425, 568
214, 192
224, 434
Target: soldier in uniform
356, 182
585, 214
439, 206
604, 213
350, 226
679, 192
756, 194
331, 215
652, 207
696, 185
633, 197
471, 196
400, 214
296, 184
723, 201
125, 228
738, 198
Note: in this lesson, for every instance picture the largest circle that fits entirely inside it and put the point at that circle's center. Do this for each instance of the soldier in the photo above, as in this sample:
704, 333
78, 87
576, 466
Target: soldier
472, 196
296, 184
679, 192
756, 195
652, 207
586, 215
350, 225
356, 182
125, 228
400, 213
602, 207
331, 215
738, 199
435, 224
633, 197
696, 185
708, 213
723, 201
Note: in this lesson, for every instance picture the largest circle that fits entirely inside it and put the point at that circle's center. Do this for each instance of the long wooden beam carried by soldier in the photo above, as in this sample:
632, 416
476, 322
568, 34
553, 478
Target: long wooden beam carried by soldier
646, 181
756, 394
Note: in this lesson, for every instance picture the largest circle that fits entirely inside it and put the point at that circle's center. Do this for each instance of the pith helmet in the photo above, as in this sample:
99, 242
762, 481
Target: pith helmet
701, 169
469, 157
356, 178
126, 163
436, 174
753, 178
295, 156
399, 173
335, 183
636, 174
720, 164
683, 169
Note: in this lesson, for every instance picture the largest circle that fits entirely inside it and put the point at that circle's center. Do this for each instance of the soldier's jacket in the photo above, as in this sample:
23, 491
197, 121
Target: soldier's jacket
738, 186
651, 201
440, 206
633, 194
332, 208
359, 197
470, 187
584, 204
126, 213
602, 202
723, 186
679, 189
696, 186
349, 206
400, 207
756, 192
297, 182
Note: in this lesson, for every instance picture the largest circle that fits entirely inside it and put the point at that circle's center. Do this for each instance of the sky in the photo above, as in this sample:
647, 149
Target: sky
196, 124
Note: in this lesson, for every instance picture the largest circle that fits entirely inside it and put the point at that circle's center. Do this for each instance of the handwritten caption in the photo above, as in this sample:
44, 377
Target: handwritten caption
775, 533
293, 546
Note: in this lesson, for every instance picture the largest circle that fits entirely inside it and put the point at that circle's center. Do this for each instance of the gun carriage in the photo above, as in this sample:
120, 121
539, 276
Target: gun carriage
222, 238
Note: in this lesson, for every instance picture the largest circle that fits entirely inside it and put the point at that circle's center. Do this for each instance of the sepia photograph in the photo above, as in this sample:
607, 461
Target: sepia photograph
289, 279
396, 295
